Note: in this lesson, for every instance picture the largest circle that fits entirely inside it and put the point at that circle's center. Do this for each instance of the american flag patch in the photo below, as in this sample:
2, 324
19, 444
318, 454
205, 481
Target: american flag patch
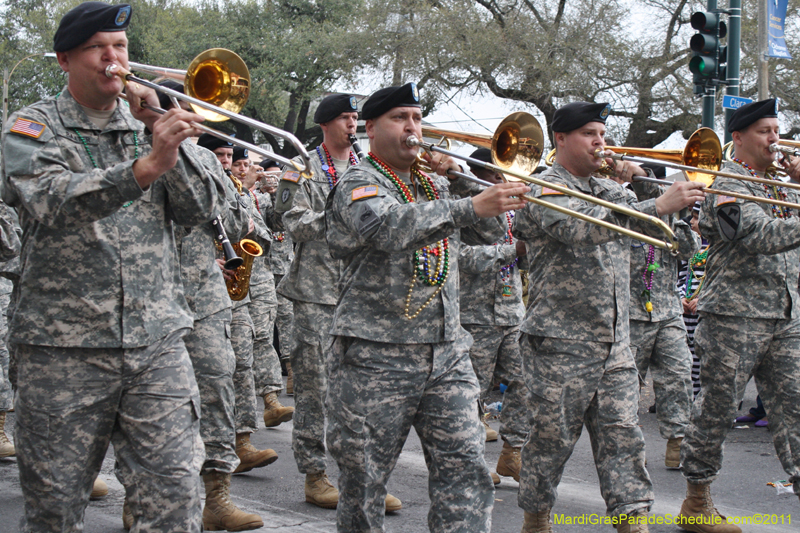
23, 126
292, 176
365, 192
721, 200
546, 191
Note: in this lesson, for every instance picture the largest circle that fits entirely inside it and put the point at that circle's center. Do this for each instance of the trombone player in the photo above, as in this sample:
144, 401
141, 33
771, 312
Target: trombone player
99, 344
575, 343
753, 249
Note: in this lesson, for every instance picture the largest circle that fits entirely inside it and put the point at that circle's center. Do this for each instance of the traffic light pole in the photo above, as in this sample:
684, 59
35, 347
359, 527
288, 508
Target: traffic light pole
734, 43
710, 95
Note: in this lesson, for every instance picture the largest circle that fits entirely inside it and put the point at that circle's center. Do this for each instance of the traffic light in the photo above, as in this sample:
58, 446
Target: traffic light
708, 56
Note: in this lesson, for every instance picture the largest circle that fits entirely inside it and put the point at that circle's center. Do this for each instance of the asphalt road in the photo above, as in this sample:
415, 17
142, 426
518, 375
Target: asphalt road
276, 492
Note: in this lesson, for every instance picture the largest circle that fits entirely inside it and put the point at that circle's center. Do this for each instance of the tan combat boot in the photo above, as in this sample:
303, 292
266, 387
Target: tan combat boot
6, 447
275, 413
633, 524
220, 513
249, 456
127, 516
491, 435
289, 379
320, 491
672, 459
509, 462
392, 503
495, 478
537, 522
99, 489
698, 513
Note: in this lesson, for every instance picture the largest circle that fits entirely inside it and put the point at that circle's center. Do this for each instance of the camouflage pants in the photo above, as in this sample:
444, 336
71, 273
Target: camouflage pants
6, 393
284, 322
263, 307
209, 347
312, 324
572, 384
732, 350
495, 355
244, 386
73, 401
661, 347
377, 393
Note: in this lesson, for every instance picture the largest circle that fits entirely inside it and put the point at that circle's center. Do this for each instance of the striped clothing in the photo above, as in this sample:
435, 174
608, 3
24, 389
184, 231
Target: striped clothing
691, 320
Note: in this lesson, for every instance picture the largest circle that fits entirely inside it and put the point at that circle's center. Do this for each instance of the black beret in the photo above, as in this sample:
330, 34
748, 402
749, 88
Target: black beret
164, 101
388, 98
211, 142
481, 154
578, 114
269, 163
747, 114
239, 153
334, 105
88, 18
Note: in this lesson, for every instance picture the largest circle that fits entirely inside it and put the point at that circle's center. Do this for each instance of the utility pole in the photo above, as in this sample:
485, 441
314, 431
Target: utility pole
763, 63
734, 46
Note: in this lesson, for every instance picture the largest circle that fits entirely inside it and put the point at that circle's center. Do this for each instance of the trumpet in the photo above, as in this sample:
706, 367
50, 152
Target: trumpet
216, 85
516, 148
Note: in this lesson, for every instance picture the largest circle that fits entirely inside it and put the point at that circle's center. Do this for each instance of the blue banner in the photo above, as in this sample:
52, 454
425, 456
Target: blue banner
776, 16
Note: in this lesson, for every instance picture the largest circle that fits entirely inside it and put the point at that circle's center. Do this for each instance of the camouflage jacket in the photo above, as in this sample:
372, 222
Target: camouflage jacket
261, 235
203, 283
579, 272
487, 295
262, 274
753, 257
376, 234
97, 272
664, 294
281, 253
313, 273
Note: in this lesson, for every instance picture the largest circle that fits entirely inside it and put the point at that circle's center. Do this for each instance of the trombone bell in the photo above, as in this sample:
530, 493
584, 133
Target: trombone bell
218, 77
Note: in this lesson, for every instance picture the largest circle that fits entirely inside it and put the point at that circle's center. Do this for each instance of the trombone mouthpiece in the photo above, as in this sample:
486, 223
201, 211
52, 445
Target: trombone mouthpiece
774, 148
111, 70
600, 154
412, 140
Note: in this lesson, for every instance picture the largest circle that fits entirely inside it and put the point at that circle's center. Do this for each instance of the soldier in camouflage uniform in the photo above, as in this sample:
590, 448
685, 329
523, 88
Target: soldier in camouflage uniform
100, 311
263, 308
658, 334
575, 342
400, 356
10, 233
242, 330
491, 311
281, 254
311, 286
210, 349
750, 323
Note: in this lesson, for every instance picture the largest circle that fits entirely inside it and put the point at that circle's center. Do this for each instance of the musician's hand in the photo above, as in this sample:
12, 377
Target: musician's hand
441, 163
679, 195
169, 131
792, 167
627, 170
227, 274
137, 94
497, 199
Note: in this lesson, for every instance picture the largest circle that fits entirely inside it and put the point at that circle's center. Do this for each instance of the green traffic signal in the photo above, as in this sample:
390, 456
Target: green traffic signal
704, 66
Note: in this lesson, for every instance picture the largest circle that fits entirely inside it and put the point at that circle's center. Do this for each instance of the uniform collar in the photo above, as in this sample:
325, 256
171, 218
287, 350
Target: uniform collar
72, 116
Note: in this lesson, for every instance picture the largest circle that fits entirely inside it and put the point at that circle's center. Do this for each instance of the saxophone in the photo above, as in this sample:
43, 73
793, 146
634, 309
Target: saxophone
240, 284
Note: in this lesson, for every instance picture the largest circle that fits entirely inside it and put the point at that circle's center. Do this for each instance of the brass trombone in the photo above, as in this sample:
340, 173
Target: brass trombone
216, 85
516, 148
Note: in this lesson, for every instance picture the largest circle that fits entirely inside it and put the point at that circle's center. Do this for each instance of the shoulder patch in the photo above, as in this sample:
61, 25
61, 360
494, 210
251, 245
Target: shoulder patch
547, 191
291, 175
27, 127
722, 200
364, 192
729, 218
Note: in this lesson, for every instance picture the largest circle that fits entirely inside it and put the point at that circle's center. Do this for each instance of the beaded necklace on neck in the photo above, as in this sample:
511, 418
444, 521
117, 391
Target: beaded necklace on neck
650, 268
422, 257
327, 164
507, 270
94, 163
777, 193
